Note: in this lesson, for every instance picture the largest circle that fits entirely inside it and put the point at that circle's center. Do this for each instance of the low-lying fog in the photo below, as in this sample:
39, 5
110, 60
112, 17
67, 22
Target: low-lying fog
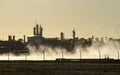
97, 50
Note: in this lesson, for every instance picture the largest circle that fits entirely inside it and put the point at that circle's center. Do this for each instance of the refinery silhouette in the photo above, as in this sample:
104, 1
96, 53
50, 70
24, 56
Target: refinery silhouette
59, 66
76, 37
19, 46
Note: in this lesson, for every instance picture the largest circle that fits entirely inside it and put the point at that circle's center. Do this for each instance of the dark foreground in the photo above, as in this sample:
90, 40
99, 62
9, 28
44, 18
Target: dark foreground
61, 67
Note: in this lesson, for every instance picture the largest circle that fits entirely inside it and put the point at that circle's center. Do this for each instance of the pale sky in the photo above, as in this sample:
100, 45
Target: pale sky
97, 18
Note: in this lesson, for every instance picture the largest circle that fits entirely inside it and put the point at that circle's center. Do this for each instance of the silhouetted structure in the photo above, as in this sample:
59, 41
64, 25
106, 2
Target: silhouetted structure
38, 31
73, 34
9, 37
69, 44
37, 35
14, 38
37, 39
41, 31
62, 36
24, 38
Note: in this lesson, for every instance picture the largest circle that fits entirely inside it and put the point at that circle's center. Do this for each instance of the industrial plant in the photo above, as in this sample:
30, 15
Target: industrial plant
19, 46
60, 66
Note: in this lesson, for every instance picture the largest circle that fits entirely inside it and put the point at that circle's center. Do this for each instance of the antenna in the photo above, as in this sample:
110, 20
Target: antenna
36, 22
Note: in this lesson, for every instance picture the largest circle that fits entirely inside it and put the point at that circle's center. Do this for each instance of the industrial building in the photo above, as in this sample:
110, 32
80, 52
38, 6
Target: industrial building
69, 44
38, 39
37, 35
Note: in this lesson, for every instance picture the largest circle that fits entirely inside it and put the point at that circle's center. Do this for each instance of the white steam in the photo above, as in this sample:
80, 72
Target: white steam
98, 50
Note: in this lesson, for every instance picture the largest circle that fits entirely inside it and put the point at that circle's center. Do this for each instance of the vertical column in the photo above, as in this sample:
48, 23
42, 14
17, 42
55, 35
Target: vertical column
9, 38
62, 36
34, 31
73, 34
41, 31
14, 38
37, 29
24, 38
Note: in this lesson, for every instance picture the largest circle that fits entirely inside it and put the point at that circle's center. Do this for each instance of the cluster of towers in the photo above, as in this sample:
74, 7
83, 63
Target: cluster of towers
10, 38
38, 30
63, 36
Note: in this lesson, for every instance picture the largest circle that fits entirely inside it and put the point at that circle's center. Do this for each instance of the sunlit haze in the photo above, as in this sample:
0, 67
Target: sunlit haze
99, 18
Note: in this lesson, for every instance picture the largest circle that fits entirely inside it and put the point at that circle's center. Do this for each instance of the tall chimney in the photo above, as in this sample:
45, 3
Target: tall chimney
14, 38
73, 34
9, 38
24, 38
62, 36
41, 31
34, 31
37, 29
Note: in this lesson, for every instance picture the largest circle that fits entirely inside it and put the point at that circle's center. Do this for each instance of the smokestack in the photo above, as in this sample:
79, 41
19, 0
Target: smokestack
73, 34
24, 38
9, 38
62, 36
14, 38
37, 27
34, 31
41, 31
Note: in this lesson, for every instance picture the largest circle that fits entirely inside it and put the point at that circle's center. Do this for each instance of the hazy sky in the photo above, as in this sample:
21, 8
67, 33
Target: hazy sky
88, 17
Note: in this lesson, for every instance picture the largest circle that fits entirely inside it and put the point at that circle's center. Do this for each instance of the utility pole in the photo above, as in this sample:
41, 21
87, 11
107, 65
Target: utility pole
8, 55
8, 59
99, 54
44, 54
62, 53
118, 54
80, 54
26, 56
